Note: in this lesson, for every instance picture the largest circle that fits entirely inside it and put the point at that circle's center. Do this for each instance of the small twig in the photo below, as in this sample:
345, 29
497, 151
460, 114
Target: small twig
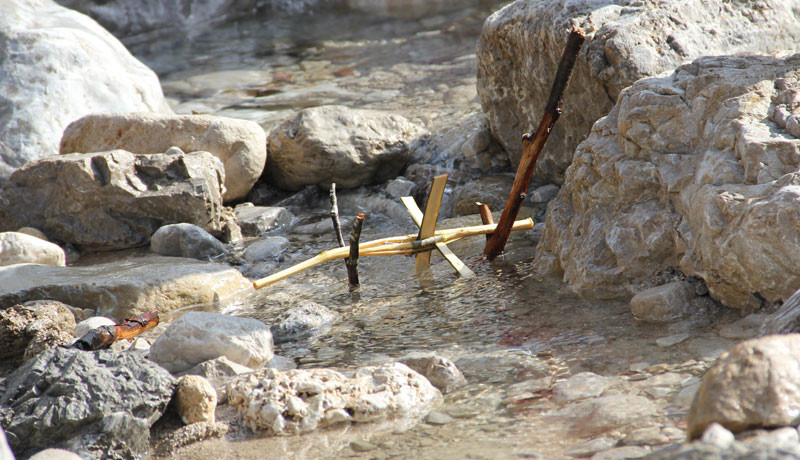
352, 261
533, 146
486, 215
337, 227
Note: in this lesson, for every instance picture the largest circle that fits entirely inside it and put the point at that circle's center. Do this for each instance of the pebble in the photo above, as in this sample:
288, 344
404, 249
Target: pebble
718, 435
672, 340
362, 446
638, 367
592, 447
580, 386
621, 453
437, 418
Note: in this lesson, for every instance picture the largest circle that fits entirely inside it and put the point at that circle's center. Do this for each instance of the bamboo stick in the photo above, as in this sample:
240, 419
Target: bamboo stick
396, 245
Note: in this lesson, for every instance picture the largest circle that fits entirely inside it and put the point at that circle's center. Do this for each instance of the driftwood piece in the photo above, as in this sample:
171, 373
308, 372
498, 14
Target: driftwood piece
396, 245
533, 146
337, 226
352, 261
486, 215
104, 336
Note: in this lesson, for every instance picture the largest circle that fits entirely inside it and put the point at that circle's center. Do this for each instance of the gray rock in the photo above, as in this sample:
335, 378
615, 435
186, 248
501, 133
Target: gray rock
90, 324
754, 384
200, 336
55, 454
785, 320
737, 451
501, 366
362, 446
606, 413
239, 144
46, 51
269, 248
437, 418
620, 453
124, 288
671, 340
186, 240
255, 220
98, 404
29, 329
351, 147
5, 450
219, 371
580, 386
492, 190
743, 328
545, 193
642, 195
399, 186
589, 448
440, 371
19, 248
113, 200
664, 303
521, 45
307, 319
717, 435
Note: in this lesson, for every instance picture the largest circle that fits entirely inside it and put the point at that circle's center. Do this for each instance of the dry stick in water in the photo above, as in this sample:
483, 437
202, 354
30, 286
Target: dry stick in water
337, 227
352, 261
533, 146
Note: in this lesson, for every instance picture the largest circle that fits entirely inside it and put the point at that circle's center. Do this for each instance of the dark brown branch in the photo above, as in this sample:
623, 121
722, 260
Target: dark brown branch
337, 227
104, 336
352, 261
486, 215
533, 146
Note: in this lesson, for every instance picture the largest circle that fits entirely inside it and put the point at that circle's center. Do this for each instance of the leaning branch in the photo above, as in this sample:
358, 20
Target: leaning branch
533, 146
337, 228
352, 261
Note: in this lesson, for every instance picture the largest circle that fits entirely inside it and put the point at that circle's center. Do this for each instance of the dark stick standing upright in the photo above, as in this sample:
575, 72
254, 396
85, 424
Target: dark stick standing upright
337, 227
533, 146
352, 261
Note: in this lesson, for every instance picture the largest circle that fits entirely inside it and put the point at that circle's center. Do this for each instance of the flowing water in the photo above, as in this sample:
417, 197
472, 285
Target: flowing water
512, 333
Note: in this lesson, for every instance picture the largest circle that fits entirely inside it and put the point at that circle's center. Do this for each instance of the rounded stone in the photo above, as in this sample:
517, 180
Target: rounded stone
196, 399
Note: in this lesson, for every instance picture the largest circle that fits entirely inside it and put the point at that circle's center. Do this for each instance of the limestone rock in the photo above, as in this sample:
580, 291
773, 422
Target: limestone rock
19, 248
664, 303
255, 220
580, 386
27, 330
55, 454
219, 371
90, 324
303, 400
307, 319
113, 200
599, 415
521, 45
200, 336
186, 240
689, 171
754, 384
351, 147
440, 371
239, 144
46, 52
196, 399
97, 404
125, 288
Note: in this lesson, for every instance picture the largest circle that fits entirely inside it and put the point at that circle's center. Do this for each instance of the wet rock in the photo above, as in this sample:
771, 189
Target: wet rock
255, 220
269, 248
717, 435
200, 336
671, 340
589, 448
55, 454
754, 384
492, 190
46, 51
186, 240
196, 399
440, 371
29, 329
785, 320
399, 186
219, 371
327, 144
239, 144
642, 195
113, 200
580, 386
521, 45
307, 319
744, 328
606, 413
19, 248
664, 303
125, 288
303, 400
502, 367
96, 404
189, 434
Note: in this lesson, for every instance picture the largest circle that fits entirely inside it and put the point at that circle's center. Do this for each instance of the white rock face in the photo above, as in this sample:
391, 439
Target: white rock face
521, 45
196, 399
754, 384
303, 400
19, 248
239, 144
334, 143
200, 336
57, 65
693, 170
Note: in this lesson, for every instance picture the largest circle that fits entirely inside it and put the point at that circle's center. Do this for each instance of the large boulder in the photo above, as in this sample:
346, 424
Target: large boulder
113, 200
521, 45
124, 288
99, 404
696, 170
754, 384
332, 143
20, 248
239, 144
57, 65
303, 400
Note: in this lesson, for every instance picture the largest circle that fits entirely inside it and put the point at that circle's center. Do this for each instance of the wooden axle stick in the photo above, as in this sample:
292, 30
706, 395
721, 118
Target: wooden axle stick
533, 145
396, 245
428, 225
352, 261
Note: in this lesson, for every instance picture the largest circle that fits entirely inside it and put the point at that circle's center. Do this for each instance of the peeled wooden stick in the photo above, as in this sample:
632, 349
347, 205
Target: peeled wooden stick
104, 336
396, 245
337, 227
352, 261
